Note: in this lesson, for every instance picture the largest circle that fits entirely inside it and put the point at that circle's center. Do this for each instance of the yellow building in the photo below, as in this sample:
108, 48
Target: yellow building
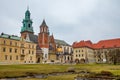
15, 50
105, 51
64, 51
83, 55
83, 52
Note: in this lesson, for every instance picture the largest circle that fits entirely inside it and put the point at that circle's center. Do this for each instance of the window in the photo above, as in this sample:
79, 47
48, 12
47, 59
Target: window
10, 42
6, 57
4, 42
76, 51
4, 49
76, 55
82, 55
23, 51
10, 57
79, 55
68, 57
29, 51
79, 50
24, 25
15, 50
29, 25
82, 50
17, 57
10, 50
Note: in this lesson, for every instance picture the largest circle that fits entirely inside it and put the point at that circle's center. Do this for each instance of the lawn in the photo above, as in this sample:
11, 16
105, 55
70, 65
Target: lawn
26, 69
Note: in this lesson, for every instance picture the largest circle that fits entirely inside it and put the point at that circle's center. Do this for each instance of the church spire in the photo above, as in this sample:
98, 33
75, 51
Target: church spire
43, 24
27, 14
44, 28
27, 23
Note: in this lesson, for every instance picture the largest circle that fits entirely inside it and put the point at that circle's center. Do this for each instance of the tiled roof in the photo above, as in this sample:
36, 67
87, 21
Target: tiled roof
82, 44
111, 43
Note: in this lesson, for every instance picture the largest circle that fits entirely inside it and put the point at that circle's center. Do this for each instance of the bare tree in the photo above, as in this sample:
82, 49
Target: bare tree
113, 56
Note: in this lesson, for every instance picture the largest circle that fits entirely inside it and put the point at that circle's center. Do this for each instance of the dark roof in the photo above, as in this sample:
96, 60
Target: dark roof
14, 37
43, 24
33, 38
61, 42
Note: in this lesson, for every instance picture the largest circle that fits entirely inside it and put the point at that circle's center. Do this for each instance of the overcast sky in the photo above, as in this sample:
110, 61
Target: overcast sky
69, 20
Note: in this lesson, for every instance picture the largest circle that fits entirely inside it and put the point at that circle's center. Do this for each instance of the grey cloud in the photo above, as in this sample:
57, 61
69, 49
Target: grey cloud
71, 20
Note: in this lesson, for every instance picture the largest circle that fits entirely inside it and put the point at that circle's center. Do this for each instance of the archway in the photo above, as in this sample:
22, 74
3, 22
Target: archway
77, 61
82, 60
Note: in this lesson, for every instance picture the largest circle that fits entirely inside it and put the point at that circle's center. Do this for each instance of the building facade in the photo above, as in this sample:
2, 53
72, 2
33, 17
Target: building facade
105, 51
83, 52
16, 50
46, 47
64, 52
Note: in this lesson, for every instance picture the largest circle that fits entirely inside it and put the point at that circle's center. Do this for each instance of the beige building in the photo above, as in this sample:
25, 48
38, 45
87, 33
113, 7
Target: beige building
83, 55
64, 51
105, 51
83, 52
15, 50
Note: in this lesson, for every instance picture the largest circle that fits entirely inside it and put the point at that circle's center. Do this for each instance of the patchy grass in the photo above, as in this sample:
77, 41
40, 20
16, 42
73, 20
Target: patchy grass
24, 69
63, 77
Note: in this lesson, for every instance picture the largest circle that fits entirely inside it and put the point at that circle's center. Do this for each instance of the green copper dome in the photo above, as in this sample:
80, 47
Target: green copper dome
27, 23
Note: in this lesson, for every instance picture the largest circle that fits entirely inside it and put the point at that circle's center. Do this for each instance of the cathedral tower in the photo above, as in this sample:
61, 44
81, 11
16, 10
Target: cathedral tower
27, 25
43, 39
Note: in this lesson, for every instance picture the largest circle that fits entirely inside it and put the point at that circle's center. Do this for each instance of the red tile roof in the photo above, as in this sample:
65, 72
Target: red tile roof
111, 43
82, 44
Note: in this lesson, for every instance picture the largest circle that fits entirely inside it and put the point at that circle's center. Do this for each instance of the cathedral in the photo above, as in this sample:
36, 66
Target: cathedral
46, 44
44, 40
32, 48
